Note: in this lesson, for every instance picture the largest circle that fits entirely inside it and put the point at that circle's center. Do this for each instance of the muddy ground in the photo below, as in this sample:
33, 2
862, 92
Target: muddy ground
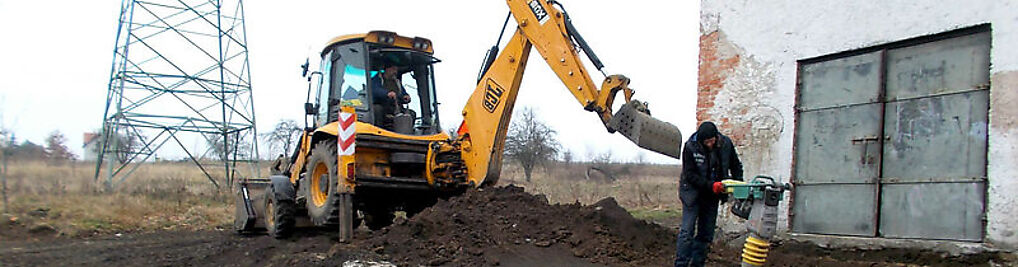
493, 227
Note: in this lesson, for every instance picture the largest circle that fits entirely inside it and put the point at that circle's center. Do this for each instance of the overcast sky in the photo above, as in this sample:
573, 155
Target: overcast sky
55, 60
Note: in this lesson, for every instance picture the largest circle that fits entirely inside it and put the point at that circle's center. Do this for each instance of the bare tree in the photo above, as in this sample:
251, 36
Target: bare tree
282, 136
123, 145
26, 150
602, 163
567, 157
56, 148
6, 147
605, 164
227, 148
639, 162
640, 159
530, 142
6, 150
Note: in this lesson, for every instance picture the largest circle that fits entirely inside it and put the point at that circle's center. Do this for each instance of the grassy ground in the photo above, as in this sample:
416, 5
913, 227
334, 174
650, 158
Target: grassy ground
64, 199
648, 191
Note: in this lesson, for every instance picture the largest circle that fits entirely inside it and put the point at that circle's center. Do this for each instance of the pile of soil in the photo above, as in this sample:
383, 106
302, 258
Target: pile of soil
482, 226
502, 226
30, 228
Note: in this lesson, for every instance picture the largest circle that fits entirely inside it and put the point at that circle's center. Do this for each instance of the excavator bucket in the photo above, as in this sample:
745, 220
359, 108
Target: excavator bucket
250, 193
633, 121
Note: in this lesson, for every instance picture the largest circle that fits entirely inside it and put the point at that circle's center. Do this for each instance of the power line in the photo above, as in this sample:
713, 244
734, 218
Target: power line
180, 68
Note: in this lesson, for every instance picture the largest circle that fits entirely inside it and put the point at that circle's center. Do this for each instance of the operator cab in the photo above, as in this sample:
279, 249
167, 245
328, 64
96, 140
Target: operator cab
361, 70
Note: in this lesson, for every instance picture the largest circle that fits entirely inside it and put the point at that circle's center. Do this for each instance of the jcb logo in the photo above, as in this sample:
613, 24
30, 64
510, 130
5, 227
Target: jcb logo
492, 96
539, 12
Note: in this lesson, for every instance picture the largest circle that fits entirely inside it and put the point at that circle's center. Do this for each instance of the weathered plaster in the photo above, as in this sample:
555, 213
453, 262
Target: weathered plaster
718, 59
748, 62
732, 93
1002, 206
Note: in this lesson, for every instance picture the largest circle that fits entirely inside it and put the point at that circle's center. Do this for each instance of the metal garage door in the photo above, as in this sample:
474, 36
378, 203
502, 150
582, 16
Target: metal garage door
893, 142
935, 158
836, 159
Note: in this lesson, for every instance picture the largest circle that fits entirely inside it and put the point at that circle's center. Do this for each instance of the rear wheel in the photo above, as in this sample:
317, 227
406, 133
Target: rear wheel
279, 215
322, 198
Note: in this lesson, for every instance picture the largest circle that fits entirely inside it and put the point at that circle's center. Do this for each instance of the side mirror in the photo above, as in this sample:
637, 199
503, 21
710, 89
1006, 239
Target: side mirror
304, 68
310, 109
313, 73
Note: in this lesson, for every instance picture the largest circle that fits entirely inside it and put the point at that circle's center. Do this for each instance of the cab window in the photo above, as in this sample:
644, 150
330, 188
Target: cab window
416, 78
345, 82
322, 95
355, 87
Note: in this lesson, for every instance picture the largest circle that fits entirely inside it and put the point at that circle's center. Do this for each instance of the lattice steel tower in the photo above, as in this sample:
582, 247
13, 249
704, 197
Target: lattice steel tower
180, 75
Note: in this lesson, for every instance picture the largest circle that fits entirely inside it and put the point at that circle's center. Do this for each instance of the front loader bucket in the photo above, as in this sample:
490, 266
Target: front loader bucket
633, 121
247, 215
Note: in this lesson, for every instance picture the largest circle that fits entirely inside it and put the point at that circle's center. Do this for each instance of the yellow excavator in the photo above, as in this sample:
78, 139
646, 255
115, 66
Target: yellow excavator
374, 146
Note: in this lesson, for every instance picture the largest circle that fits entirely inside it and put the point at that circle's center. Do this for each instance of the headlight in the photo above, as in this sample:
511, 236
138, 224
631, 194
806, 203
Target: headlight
421, 43
388, 39
421, 46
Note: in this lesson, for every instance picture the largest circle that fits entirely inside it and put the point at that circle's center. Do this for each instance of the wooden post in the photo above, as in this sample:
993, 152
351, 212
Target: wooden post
347, 132
345, 217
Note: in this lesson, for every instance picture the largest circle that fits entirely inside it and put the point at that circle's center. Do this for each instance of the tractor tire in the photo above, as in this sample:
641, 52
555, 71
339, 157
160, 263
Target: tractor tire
322, 198
378, 218
304, 200
279, 215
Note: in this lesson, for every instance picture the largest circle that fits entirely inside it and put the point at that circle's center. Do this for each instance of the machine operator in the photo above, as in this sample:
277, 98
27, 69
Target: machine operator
385, 90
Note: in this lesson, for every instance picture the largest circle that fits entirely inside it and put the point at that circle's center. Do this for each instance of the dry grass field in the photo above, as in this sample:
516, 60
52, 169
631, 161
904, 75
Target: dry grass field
64, 199
648, 191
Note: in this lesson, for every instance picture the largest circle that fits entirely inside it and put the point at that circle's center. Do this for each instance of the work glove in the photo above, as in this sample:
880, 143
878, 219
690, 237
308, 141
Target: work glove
719, 187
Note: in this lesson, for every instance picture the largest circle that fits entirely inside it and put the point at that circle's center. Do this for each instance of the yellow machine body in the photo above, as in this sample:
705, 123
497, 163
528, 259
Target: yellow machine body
377, 164
367, 160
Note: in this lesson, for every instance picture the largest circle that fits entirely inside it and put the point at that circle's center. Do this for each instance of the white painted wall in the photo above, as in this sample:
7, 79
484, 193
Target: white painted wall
771, 35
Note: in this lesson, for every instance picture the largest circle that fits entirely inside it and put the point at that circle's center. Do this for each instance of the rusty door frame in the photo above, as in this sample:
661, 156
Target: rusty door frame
881, 137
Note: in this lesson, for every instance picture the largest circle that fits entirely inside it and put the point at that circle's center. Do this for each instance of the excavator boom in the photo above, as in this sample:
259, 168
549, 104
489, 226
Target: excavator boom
359, 161
547, 29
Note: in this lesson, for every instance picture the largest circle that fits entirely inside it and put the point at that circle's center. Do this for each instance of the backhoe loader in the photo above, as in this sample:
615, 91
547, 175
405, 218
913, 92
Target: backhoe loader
373, 145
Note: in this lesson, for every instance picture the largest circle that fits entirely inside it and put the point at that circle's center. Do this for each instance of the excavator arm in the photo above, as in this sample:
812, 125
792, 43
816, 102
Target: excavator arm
486, 116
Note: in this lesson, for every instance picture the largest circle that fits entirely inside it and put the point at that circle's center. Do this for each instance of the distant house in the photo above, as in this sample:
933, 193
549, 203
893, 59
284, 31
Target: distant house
90, 146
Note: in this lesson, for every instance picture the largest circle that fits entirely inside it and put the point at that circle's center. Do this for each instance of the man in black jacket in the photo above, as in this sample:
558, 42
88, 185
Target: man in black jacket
708, 158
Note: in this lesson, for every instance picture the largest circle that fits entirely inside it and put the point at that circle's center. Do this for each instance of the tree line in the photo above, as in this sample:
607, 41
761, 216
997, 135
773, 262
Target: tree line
529, 142
53, 149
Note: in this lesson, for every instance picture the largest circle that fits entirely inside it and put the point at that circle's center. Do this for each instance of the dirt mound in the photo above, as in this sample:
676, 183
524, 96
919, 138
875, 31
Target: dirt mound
15, 228
476, 228
502, 226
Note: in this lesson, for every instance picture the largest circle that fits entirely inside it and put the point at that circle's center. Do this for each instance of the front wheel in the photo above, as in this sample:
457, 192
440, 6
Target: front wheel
279, 215
322, 198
